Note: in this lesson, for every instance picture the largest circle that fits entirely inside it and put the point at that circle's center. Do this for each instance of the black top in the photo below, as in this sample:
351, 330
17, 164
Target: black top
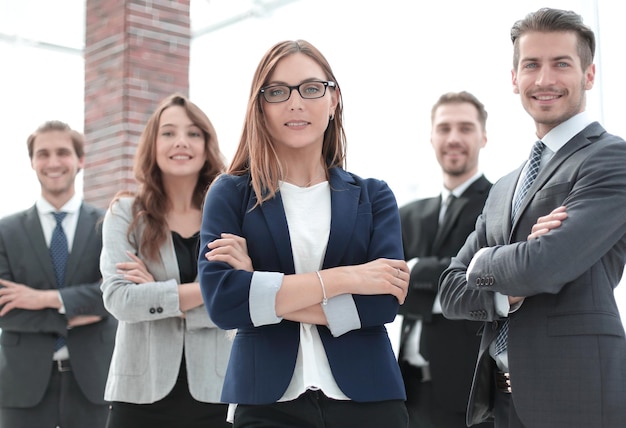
187, 255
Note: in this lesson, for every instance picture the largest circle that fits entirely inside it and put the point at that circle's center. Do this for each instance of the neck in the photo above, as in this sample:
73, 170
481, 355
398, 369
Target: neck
180, 193
58, 200
305, 175
451, 182
315, 180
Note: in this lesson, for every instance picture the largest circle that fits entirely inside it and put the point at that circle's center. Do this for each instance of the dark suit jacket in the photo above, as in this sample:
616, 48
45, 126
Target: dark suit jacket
365, 226
451, 348
28, 337
567, 348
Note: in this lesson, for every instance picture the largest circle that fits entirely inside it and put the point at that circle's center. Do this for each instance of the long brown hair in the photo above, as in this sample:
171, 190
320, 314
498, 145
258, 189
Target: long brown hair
151, 203
256, 153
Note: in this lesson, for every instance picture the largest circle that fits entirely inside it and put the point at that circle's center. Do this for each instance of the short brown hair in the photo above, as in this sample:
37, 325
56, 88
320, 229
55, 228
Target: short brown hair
461, 97
78, 139
548, 20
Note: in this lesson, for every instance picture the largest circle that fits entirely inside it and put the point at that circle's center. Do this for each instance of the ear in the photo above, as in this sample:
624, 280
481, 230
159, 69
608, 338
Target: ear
590, 76
81, 164
334, 101
514, 82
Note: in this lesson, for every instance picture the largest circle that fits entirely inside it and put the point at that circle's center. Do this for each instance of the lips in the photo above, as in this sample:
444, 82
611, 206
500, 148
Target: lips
180, 157
546, 97
295, 124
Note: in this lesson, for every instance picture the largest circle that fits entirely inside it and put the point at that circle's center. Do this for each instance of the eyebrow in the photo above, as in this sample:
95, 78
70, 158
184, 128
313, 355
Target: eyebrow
450, 123
556, 58
309, 79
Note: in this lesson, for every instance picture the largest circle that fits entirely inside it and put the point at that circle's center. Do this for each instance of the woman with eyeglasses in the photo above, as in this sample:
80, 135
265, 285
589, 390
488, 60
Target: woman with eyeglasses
304, 259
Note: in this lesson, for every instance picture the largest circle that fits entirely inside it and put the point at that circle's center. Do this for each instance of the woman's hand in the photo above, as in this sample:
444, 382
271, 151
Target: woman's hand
134, 271
382, 276
548, 222
231, 249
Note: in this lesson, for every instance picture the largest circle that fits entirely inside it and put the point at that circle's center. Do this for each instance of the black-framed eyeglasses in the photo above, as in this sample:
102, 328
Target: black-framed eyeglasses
307, 90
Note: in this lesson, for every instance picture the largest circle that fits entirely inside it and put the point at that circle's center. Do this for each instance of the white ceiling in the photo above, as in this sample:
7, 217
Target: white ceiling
29, 22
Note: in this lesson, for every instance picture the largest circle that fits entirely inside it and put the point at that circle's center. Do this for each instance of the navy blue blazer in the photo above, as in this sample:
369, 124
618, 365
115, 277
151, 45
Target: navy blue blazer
365, 226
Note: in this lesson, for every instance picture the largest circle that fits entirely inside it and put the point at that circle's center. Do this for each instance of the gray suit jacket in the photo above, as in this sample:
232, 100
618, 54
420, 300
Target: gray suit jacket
567, 348
28, 337
152, 335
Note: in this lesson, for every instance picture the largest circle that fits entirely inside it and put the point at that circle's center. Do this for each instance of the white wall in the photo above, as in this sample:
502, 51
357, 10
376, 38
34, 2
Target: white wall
410, 50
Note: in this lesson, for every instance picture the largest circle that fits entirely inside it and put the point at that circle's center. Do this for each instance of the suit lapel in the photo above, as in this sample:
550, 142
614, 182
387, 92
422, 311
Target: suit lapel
455, 210
82, 235
34, 233
274, 213
344, 209
168, 266
452, 213
580, 140
431, 228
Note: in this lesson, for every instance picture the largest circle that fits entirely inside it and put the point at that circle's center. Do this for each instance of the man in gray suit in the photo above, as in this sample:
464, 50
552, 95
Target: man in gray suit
57, 338
540, 275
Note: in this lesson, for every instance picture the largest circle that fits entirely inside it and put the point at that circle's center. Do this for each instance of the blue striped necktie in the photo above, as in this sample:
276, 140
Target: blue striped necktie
59, 254
531, 173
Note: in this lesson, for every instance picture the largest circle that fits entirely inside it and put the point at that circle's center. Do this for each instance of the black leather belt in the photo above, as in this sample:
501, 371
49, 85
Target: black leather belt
62, 365
503, 382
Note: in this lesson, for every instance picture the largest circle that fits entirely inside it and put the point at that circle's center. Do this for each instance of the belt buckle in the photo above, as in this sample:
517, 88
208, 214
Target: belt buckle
62, 366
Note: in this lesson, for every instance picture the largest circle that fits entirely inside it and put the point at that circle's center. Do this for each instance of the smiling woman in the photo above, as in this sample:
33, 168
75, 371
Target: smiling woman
173, 352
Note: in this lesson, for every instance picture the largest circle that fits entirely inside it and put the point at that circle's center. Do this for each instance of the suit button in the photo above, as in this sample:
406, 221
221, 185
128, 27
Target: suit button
159, 309
152, 310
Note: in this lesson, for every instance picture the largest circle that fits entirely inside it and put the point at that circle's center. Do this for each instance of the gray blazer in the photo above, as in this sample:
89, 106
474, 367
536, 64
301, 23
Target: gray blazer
567, 348
152, 335
28, 337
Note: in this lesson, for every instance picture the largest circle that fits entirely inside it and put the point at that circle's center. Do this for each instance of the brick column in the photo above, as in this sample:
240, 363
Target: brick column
136, 54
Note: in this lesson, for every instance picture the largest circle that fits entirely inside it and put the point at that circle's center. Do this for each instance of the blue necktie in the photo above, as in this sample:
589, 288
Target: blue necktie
531, 173
59, 254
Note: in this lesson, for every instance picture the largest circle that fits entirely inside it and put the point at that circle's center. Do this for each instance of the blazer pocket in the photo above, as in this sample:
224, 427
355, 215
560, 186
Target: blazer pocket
584, 323
558, 191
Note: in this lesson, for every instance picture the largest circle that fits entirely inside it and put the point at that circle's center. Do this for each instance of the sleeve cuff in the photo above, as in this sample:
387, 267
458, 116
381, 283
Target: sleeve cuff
62, 308
341, 314
502, 304
263, 289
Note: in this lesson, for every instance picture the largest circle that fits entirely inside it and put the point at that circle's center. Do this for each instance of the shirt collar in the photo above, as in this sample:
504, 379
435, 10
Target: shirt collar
561, 134
70, 207
459, 190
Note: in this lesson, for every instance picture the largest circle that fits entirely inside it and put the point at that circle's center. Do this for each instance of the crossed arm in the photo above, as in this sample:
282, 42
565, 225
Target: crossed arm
300, 295
14, 295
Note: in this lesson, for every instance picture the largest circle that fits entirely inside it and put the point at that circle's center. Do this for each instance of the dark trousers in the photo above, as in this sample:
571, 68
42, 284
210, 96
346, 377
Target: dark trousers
504, 412
63, 405
177, 410
314, 410
424, 410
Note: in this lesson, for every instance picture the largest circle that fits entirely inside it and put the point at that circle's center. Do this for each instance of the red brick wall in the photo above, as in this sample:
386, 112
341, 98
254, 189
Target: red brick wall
136, 54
